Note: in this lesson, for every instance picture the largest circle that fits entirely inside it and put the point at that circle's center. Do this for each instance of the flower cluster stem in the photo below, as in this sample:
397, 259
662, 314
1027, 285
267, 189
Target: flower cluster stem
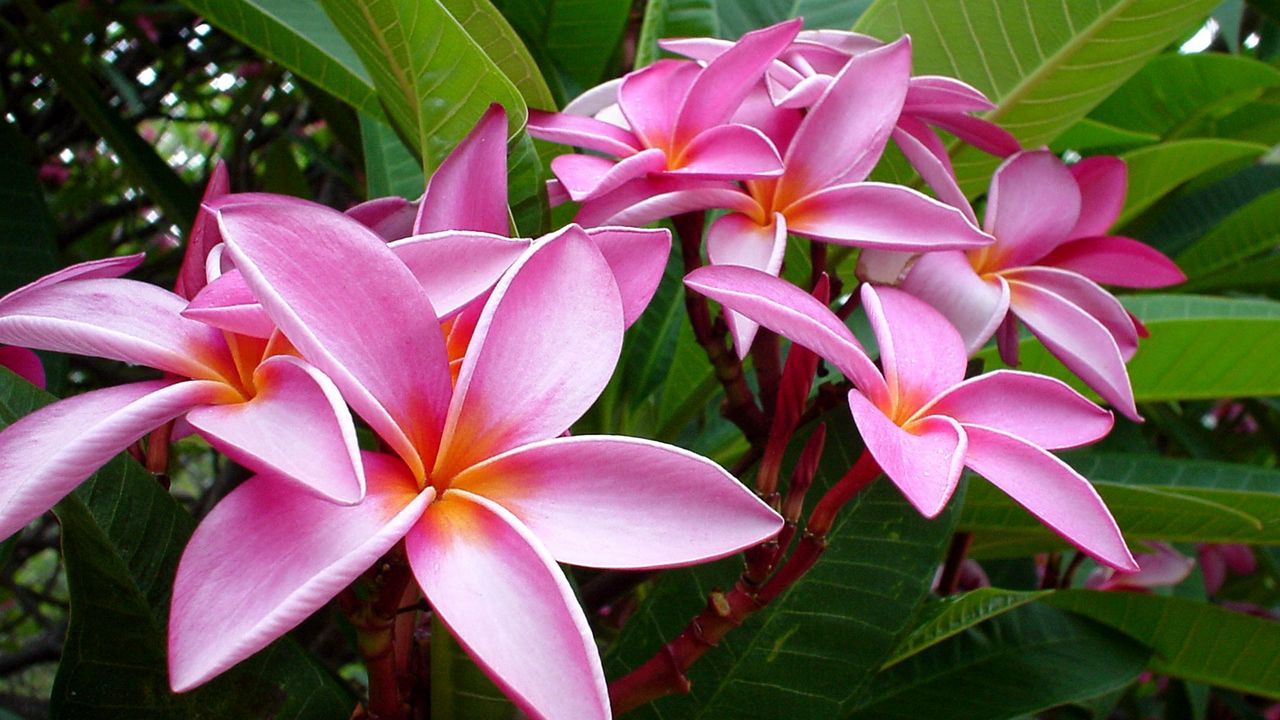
374, 619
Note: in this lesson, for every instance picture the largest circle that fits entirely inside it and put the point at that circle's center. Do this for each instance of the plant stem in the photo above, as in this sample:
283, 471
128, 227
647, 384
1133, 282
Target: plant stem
956, 552
374, 620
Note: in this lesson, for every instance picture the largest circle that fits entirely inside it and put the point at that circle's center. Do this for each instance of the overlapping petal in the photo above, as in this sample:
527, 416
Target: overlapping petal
390, 217
468, 191
23, 363
1033, 204
228, 304
203, 235
925, 462
921, 354
638, 259
728, 152
1041, 410
736, 239
582, 132
975, 305
456, 267
1103, 182
647, 96
588, 176
1114, 260
882, 216
1086, 295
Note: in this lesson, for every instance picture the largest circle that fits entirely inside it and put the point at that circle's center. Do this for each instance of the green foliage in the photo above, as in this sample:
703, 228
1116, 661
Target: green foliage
26, 231
1156, 170
574, 41
947, 617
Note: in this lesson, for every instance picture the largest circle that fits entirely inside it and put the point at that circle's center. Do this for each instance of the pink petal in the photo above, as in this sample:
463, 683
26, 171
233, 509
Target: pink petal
926, 153
203, 235
982, 134
595, 100
644, 200
296, 426
378, 340
1041, 410
456, 267
847, 43
581, 132
728, 152
937, 93
1076, 338
1165, 567
502, 596
270, 555
648, 97
925, 462
792, 313
1113, 260
1033, 204
725, 82
468, 191
922, 355
589, 498
845, 132
589, 176
105, 268
736, 239
884, 216
638, 259
23, 363
974, 305
391, 217
1089, 297
1049, 489
46, 454
1103, 182
801, 95
228, 304
543, 350
125, 320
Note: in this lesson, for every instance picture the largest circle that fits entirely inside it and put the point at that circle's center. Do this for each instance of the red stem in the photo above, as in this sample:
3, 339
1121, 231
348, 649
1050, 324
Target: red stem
374, 620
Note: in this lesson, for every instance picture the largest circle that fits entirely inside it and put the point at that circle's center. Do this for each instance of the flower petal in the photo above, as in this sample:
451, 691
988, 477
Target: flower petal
468, 191
456, 267
125, 320
792, 313
595, 100
982, 134
1114, 260
23, 363
884, 216
502, 596
926, 153
736, 239
644, 200
1076, 338
270, 555
112, 267
1103, 182
297, 426
378, 341
728, 152
203, 235
1050, 490
925, 463
44, 455
228, 304
638, 259
1041, 410
581, 132
647, 99
922, 355
845, 133
1089, 297
974, 305
941, 94
1033, 204
588, 499
391, 217
588, 176
543, 350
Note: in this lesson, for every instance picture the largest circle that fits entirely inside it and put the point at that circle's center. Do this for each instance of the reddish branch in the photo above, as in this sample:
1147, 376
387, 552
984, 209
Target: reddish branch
374, 619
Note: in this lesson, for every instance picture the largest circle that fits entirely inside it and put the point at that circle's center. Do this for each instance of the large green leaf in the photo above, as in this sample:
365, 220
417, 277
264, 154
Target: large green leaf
298, 35
1252, 230
26, 230
1200, 347
433, 78
1090, 134
650, 345
674, 18
122, 535
740, 16
1192, 215
527, 188
949, 616
576, 39
1182, 95
1157, 170
810, 652
1045, 65
390, 169
490, 30
459, 690
1152, 497
1192, 640
1019, 663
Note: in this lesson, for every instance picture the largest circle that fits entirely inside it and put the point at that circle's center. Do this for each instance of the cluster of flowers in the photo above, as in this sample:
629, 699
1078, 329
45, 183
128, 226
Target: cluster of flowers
469, 353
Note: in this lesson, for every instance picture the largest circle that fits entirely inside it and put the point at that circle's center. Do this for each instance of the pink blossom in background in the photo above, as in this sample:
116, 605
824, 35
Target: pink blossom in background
1218, 560
23, 363
923, 422
477, 481
1164, 566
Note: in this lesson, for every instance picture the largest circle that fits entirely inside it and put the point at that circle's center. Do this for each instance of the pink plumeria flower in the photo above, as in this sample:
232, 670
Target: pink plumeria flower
1050, 253
453, 239
23, 363
1217, 560
678, 127
485, 493
923, 422
1164, 566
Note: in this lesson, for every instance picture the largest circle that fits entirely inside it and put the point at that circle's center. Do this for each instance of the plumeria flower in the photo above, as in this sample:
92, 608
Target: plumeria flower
678, 127
23, 363
478, 480
1164, 566
249, 397
1218, 560
1044, 269
822, 193
923, 422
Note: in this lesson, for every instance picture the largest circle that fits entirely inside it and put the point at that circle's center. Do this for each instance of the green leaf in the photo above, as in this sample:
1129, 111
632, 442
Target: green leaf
577, 38
1157, 170
1019, 663
741, 16
527, 188
947, 617
1045, 65
433, 78
26, 230
810, 652
1182, 95
1192, 640
1200, 347
486, 26
1252, 230
1090, 134
674, 18
298, 35
650, 345
122, 535
390, 169
459, 690
1193, 214
1151, 497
